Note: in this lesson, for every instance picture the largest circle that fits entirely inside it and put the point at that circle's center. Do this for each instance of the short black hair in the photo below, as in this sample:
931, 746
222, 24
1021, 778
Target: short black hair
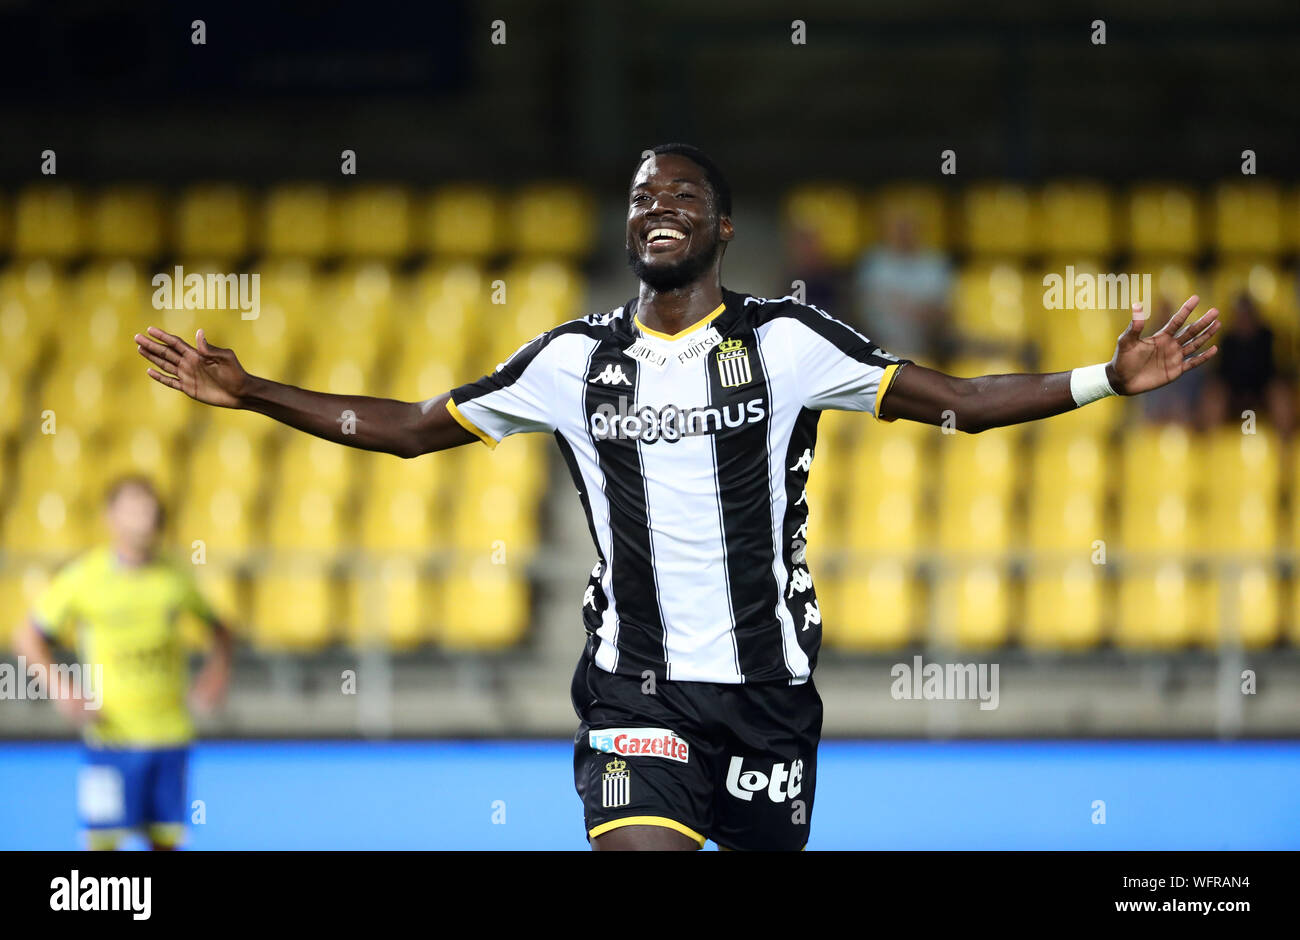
712, 172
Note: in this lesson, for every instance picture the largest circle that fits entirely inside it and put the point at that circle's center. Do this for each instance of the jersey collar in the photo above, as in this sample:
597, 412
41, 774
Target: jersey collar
673, 337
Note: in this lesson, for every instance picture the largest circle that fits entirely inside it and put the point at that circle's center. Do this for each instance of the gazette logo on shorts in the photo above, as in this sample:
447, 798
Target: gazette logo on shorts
615, 784
733, 364
646, 742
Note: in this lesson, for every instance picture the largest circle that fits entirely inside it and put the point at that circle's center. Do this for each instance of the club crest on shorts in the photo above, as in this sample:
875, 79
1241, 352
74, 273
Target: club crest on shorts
733, 363
615, 784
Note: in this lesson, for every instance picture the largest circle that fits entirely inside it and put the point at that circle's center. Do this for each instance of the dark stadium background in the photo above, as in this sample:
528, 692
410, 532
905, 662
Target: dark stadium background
476, 162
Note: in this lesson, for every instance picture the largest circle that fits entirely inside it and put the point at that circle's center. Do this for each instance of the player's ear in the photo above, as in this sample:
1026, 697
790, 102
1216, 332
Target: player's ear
726, 232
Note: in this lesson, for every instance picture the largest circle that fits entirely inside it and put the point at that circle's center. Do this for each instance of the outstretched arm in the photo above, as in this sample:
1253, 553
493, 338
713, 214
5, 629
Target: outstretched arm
213, 375
1140, 364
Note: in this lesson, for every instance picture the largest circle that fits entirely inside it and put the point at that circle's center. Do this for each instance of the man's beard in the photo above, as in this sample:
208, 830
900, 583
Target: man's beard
686, 271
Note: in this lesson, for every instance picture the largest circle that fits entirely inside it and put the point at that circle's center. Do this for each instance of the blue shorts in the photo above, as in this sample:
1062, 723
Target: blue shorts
121, 788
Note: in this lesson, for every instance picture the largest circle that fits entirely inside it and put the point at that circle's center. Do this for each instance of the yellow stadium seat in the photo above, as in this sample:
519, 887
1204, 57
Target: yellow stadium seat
1247, 218
80, 394
1172, 282
924, 204
1075, 217
127, 221
974, 606
998, 219
33, 300
314, 463
553, 219
139, 451
20, 587
223, 589
989, 302
1243, 606
1159, 480
300, 221
833, 212
376, 221
12, 396
1164, 219
485, 606
1159, 608
389, 606
977, 478
1272, 292
1063, 607
883, 517
1068, 492
214, 220
50, 519
491, 519
228, 454
294, 609
113, 304
463, 220
223, 519
1242, 506
873, 606
49, 221
308, 521
400, 507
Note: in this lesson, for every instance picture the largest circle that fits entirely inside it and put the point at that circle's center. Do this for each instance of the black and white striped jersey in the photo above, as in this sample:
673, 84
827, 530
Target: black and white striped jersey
690, 454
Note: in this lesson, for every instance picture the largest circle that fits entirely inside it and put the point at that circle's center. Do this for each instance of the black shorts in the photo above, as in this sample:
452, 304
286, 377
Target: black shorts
733, 763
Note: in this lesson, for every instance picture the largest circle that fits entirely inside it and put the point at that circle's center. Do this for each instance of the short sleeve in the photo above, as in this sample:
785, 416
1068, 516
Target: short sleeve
55, 610
517, 397
192, 599
838, 367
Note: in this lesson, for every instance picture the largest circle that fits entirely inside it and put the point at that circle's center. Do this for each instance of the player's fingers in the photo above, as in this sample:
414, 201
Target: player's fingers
1200, 339
1176, 321
164, 379
1191, 330
145, 344
167, 339
157, 359
1135, 326
1199, 359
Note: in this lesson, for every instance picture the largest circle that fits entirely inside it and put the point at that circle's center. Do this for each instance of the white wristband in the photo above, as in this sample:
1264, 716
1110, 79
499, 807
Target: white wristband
1089, 384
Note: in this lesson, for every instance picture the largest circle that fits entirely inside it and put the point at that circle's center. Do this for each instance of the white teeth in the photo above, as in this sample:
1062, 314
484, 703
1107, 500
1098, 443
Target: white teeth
671, 233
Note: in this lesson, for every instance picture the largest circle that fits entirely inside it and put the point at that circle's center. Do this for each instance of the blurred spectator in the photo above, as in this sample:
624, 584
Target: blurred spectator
809, 263
1246, 376
903, 293
1177, 402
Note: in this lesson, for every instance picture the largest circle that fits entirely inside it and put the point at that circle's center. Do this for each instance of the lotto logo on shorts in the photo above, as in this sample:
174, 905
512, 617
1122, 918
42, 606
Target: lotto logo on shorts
780, 784
615, 784
645, 742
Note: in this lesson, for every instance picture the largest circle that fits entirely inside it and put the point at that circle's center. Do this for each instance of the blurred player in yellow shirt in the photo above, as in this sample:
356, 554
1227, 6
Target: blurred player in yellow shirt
120, 607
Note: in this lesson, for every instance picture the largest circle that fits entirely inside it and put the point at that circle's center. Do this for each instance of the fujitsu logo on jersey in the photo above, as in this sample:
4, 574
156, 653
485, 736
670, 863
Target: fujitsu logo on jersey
670, 422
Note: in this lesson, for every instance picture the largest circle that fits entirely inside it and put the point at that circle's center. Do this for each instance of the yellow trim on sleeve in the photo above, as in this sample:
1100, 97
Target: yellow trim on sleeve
690, 329
663, 821
886, 380
469, 426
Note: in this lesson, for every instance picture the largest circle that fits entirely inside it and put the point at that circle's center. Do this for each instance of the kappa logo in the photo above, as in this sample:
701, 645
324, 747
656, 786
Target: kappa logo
733, 364
646, 742
612, 374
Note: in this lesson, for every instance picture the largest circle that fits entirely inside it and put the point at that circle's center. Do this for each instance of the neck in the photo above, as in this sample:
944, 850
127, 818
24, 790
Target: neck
676, 310
131, 557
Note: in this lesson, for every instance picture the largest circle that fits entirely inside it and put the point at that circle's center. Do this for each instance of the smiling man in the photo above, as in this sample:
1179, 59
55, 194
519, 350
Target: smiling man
688, 420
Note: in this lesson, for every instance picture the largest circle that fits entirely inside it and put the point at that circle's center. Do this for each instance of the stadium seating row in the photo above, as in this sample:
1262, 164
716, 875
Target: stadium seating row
1059, 218
224, 221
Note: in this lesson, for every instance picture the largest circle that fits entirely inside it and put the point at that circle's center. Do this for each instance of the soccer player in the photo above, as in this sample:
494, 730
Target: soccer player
688, 421
118, 607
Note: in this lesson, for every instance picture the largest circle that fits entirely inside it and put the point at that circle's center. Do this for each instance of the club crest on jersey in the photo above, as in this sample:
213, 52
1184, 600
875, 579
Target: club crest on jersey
612, 374
733, 363
615, 784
